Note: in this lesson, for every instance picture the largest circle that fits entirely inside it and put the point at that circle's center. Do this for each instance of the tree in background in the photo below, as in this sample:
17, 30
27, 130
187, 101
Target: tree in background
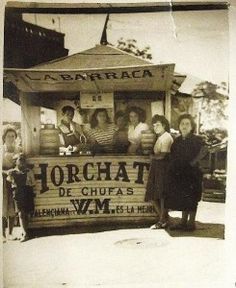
213, 104
130, 46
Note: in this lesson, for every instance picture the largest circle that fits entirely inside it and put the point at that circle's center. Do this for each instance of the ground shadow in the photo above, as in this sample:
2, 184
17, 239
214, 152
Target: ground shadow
85, 228
210, 230
204, 230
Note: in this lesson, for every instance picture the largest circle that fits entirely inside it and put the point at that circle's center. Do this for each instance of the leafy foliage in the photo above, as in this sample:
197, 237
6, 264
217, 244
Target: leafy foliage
130, 46
214, 103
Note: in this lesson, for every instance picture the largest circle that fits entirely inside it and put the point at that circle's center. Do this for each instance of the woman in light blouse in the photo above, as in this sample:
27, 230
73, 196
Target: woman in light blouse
157, 180
102, 131
136, 117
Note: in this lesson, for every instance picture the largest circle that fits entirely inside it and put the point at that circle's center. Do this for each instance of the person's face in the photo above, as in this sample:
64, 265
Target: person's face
68, 116
20, 163
133, 118
185, 127
158, 128
10, 138
102, 118
120, 122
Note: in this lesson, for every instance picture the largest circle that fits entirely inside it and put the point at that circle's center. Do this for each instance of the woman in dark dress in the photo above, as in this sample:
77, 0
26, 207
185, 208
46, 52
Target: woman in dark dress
23, 181
184, 174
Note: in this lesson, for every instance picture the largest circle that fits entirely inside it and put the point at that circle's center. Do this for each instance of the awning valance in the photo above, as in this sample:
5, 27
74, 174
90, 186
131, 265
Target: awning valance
127, 78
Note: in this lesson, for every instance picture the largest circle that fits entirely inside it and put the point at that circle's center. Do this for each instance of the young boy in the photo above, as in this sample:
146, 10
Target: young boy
69, 130
23, 181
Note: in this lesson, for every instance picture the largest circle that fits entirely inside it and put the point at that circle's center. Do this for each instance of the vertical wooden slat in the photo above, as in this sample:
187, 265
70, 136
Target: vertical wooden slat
168, 106
30, 129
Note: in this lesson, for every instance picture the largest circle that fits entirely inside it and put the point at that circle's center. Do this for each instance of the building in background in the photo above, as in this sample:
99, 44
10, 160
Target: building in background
26, 45
32, 44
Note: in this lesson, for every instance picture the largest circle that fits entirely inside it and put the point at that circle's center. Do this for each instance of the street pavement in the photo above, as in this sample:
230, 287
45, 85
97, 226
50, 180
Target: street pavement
134, 257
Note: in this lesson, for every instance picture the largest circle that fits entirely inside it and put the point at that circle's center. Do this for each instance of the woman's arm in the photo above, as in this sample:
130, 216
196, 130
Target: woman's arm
202, 153
160, 155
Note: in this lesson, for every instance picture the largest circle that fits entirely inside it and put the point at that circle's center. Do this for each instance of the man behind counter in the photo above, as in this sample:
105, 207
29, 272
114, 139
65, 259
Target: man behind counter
71, 131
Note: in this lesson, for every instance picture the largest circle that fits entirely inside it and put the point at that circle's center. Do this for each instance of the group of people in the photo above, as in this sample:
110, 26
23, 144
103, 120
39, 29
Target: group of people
174, 182
175, 178
18, 183
124, 135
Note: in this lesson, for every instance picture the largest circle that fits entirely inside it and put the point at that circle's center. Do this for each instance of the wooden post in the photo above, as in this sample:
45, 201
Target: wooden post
168, 106
30, 125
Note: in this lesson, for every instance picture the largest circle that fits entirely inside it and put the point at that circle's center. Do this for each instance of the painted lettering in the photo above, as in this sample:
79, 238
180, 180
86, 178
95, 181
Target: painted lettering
64, 192
81, 205
147, 73
122, 173
130, 191
66, 77
95, 76
136, 74
53, 176
125, 74
102, 205
98, 171
85, 172
106, 170
84, 191
49, 77
80, 77
30, 78
111, 75
43, 178
140, 166
72, 175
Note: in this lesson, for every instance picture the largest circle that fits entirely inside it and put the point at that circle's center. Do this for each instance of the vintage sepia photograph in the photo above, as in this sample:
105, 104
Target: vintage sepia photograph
115, 125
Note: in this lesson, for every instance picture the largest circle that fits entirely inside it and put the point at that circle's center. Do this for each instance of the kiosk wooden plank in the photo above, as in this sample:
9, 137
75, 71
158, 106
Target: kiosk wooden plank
111, 191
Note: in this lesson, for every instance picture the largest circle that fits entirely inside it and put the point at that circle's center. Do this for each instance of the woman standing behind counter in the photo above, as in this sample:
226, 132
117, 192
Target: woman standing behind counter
69, 130
120, 139
184, 175
102, 131
136, 126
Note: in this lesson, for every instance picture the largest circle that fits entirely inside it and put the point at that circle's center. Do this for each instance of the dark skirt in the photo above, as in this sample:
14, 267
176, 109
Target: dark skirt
157, 180
8, 207
24, 199
184, 188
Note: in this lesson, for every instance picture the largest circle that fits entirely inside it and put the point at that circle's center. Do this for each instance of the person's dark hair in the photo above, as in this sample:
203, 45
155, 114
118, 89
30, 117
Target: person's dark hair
162, 119
190, 118
119, 114
67, 108
20, 156
6, 130
94, 121
139, 111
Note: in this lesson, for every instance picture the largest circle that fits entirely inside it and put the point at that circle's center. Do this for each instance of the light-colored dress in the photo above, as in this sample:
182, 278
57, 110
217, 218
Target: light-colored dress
8, 163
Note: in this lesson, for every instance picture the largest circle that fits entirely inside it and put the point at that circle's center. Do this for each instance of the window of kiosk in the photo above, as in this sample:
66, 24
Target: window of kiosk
68, 127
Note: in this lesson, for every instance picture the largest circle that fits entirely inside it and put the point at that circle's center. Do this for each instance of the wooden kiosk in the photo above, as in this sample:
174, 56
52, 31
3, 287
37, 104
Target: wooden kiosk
76, 189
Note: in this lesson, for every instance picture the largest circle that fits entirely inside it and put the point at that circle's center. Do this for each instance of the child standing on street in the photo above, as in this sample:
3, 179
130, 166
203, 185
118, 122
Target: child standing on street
23, 181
